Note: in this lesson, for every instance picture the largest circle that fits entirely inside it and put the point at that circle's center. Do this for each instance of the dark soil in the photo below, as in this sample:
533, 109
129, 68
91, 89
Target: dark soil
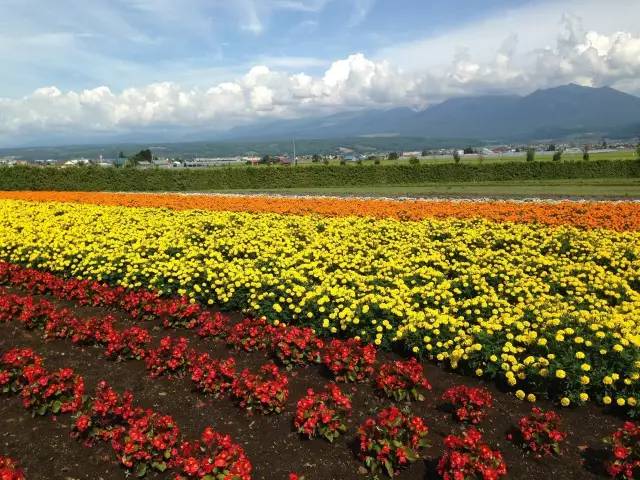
45, 450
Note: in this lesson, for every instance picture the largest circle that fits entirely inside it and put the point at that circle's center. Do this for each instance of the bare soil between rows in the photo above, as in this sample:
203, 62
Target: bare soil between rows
45, 449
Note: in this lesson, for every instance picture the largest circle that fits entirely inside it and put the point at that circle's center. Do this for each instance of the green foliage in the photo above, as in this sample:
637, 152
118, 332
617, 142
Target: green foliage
531, 154
638, 151
393, 156
141, 156
456, 156
316, 158
414, 161
557, 156
250, 178
585, 153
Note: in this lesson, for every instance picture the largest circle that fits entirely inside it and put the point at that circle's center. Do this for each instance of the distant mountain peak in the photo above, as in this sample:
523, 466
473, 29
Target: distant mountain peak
545, 113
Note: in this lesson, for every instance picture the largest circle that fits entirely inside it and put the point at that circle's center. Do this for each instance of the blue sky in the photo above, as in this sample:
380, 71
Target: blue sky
142, 41
118, 65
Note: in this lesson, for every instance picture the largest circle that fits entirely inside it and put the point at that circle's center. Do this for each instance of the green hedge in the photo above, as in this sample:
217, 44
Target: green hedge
225, 178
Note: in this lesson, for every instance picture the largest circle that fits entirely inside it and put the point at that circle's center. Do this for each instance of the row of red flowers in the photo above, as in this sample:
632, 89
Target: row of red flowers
347, 360
265, 391
142, 439
317, 414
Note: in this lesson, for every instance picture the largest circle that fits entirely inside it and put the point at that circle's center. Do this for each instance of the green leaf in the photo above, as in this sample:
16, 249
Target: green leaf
160, 466
55, 407
141, 470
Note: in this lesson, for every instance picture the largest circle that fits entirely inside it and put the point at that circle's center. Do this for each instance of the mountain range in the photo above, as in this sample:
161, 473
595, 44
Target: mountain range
550, 113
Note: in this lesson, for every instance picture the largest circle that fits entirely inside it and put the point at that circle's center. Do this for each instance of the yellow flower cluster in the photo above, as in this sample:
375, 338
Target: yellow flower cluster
547, 310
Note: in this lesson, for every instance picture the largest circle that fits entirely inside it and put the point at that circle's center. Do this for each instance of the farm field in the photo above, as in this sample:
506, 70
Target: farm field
618, 188
433, 318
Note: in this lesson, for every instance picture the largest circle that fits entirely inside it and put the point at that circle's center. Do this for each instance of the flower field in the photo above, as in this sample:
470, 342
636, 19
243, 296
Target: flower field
530, 311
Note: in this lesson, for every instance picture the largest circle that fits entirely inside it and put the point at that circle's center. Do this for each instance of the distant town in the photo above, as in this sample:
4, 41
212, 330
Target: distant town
148, 159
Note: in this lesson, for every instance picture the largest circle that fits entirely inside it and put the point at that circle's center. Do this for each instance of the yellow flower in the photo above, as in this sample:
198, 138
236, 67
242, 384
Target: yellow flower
621, 401
520, 394
606, 400
560, 374
531, 397
584, 397
607, 380
565, 402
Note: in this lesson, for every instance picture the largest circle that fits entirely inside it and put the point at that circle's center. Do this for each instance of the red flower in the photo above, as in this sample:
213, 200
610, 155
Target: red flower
391, 440
471, 403
9, 469
323, 413
349, 360
625, 449
402, 380
266, 391
467, 457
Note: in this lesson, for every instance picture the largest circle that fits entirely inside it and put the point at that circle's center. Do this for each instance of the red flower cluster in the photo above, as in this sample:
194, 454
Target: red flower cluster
323, 414
403, 380
625, 445
391, 440
128, 344
266, 391
214, 456
106, 416
251, 334
466, 457
213, 326
13, 364
296, 346
471, 404
149, 441
214, 377
9, 469
540, 432
141, 304
170, 358
349, 360
57, 392
142, 439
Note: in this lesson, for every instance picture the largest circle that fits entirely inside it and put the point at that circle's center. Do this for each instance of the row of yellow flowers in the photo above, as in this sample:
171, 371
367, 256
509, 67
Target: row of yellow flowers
548, 310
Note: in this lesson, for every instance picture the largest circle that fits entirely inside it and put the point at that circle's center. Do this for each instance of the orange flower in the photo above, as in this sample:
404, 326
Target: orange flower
611, 215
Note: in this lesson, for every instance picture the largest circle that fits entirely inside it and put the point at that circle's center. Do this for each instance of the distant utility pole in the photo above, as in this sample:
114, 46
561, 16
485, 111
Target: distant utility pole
295, 159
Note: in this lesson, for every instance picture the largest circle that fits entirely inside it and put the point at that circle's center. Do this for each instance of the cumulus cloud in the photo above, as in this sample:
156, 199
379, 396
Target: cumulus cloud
584, 56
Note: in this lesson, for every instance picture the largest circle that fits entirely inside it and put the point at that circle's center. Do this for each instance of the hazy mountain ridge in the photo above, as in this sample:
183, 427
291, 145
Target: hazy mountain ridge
542, 114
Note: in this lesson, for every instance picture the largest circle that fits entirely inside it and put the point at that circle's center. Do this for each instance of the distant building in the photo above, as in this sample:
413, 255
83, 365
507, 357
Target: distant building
411, 154
201, 162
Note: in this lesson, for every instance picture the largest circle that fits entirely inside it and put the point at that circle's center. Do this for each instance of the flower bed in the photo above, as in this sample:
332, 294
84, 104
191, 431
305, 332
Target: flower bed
529, 306
616, 215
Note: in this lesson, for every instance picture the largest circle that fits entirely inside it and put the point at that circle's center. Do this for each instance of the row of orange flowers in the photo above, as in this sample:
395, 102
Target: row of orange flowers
612, 215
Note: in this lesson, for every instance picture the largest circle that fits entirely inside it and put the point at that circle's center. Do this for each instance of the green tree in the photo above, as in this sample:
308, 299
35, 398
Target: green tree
468, 150
638, 150
456, 156
551, 148
557, 156
585, 153
531, 154
121, 155
414, 161
316, 158
266, 159
141, 156
393, 156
